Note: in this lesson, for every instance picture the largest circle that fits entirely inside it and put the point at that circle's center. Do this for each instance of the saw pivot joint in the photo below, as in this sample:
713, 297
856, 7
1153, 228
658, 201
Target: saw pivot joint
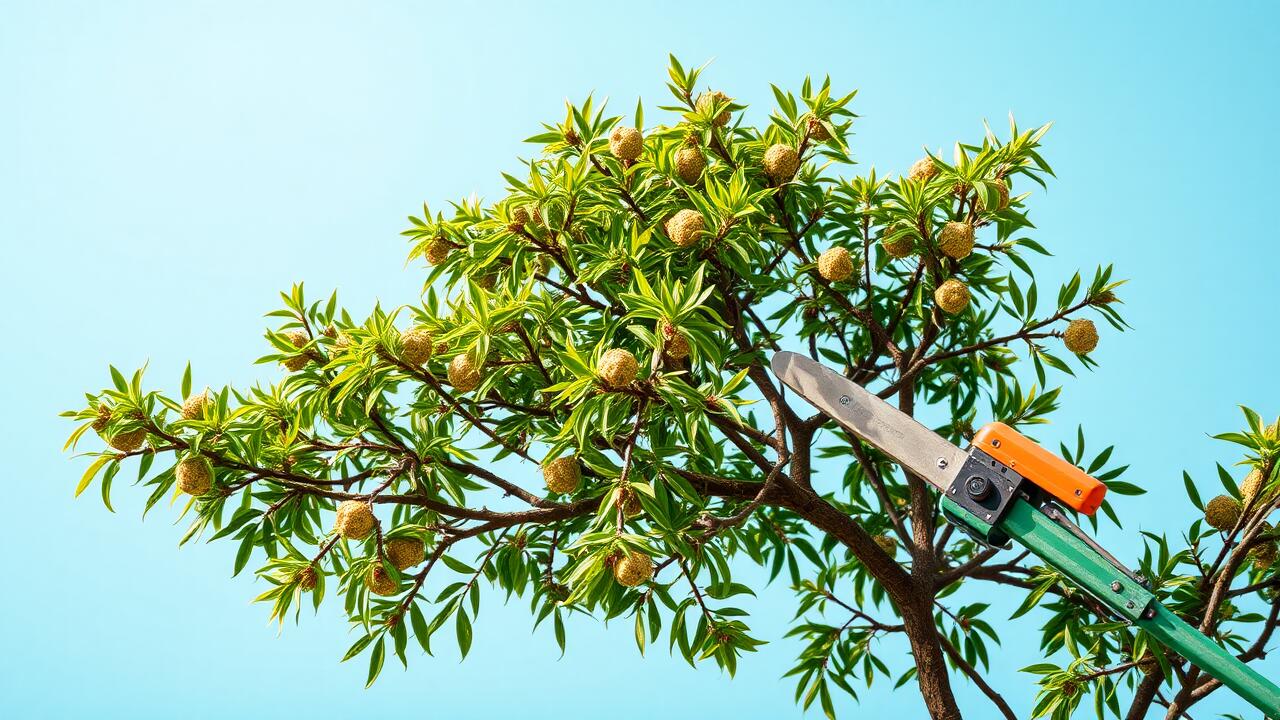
985, 489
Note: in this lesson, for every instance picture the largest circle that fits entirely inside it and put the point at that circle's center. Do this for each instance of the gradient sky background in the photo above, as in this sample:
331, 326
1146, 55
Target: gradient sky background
166, 168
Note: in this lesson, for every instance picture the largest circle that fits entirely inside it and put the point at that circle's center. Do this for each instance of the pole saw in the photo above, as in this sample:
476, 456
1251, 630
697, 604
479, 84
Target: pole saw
1006, 488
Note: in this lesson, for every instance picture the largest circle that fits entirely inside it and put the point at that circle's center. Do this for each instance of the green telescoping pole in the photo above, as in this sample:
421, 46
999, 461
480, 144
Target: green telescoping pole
1071, 556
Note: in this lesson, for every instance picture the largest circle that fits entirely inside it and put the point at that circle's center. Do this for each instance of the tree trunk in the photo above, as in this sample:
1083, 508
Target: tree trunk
914, 602
931, 669
1144, 695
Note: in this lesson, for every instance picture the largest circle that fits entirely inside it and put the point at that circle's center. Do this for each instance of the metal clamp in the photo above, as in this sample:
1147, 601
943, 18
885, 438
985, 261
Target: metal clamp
985, 488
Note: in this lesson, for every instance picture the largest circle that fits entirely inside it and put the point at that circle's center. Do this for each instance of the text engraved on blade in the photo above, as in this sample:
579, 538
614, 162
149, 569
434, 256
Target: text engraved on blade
868, 420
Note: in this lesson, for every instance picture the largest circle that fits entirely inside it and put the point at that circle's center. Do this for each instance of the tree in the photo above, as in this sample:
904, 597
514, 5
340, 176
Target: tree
609, 322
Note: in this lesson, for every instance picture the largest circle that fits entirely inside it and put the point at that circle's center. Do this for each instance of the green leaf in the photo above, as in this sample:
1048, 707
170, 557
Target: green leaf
376, 660
464, 632
1228, 483
91, 472
1032, 599
457, 565
1191, 491
246, 548
117, 379
559, 628
420, 630
400, 634
640, 631
357, 647
1123, 488
106, 484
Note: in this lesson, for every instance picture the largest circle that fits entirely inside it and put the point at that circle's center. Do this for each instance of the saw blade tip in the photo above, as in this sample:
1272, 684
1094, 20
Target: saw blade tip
780, 361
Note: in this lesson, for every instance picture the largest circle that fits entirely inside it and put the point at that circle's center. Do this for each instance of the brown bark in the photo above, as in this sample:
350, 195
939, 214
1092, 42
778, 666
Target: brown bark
912, 597
931, 668
1144, 695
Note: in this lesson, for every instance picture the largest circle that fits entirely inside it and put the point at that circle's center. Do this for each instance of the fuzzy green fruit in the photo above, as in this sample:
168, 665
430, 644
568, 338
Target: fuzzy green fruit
1081, 336
194, 476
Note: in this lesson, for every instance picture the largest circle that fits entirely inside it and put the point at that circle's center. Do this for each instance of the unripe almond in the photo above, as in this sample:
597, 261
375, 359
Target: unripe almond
354, 520
405, 552
438, 251
1081, 336
685, 227
306, 578
464, 376
952, 296
380, 582
299, 340
956, 240
633, 569
1222, 512
818, 131
897, 241
1252, 484
1002, 195
923, 169
194, 475
674, 343
626, 143
618, 368
707, 102
193, 407
689, 164
781, 162
104, 417
835, 264
630, 501
416, 346
1264, 553
562, 475
128, 440
631, 506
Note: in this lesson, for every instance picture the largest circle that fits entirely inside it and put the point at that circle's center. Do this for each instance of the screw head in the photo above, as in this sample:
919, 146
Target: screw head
942, 463
977, 487
844, 399
1116, 586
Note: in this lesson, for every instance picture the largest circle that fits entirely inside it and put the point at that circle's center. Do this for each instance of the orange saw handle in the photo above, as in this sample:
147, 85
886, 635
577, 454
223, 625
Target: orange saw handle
1064, 481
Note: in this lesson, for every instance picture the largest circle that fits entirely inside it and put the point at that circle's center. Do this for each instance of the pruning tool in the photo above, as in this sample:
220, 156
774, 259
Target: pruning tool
1006, 488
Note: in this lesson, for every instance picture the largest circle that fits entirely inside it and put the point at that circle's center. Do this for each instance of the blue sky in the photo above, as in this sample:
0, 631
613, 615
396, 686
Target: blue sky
166, 168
